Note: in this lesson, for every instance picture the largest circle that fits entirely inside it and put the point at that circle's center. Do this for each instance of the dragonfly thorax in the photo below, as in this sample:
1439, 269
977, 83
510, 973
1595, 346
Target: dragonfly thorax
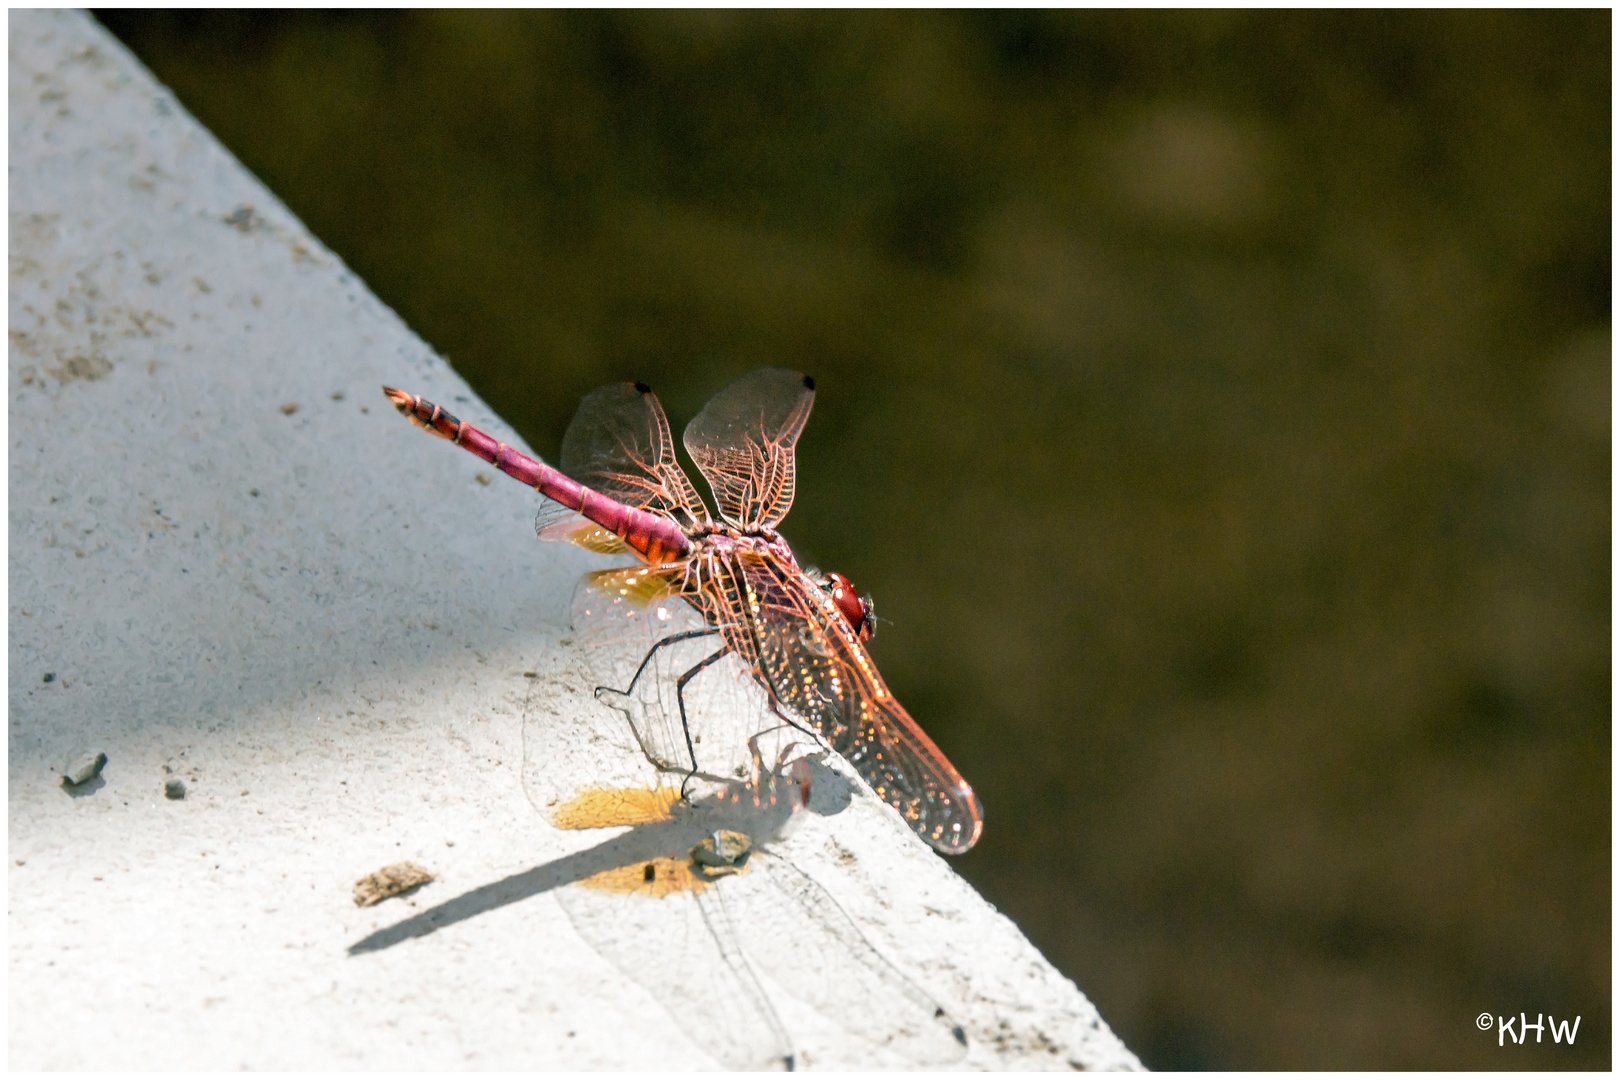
722, 539
728, 538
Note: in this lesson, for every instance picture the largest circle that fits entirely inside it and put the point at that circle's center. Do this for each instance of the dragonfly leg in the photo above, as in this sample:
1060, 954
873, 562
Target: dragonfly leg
645, 660
680, 700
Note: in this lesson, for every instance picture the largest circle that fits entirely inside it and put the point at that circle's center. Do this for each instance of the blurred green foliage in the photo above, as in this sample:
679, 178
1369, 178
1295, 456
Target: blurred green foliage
1218, 405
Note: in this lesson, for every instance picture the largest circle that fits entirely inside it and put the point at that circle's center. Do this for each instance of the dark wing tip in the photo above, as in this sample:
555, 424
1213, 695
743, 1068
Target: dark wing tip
809, 383
643, 388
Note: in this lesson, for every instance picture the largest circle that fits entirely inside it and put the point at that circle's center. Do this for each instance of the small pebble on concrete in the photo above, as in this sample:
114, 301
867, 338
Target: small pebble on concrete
84, 768
389, 881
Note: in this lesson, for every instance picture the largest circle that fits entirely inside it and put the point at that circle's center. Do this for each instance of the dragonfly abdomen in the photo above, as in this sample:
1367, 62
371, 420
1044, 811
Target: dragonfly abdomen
654, 538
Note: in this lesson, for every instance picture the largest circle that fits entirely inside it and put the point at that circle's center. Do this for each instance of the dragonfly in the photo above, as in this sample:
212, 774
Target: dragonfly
726, 582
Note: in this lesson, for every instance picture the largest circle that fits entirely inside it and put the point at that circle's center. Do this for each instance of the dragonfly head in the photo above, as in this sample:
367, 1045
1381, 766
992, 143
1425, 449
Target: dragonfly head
855, 608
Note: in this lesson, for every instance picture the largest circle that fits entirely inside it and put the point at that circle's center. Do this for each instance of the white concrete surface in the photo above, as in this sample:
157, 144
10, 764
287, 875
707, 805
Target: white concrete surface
320, 619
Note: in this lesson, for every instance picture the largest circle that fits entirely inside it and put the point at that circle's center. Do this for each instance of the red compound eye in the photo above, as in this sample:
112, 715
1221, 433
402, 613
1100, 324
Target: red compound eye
855, 610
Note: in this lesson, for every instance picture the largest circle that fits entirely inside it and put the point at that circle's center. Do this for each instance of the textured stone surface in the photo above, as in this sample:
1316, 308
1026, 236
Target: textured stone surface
237, 565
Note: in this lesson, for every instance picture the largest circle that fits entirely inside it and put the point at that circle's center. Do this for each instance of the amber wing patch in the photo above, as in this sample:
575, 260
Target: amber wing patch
602, 808
636, 585
593, 537
657, 877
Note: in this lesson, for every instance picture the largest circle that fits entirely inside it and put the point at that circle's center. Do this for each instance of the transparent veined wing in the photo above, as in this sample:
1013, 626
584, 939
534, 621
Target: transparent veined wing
619, 444
555, 523
715, 952
833, 968
651, 653
676, 937
743, 442
717, 948
817, 668
721, 953
658, 917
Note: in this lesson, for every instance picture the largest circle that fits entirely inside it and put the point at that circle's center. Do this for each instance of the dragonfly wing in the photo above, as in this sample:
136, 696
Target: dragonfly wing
815, 665
619, 444
642, 638
833, 968
743, 441
555, 523
620, 615
681, 947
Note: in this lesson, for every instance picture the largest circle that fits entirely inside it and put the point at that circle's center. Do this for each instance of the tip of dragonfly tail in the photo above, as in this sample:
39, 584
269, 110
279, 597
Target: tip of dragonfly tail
400, 398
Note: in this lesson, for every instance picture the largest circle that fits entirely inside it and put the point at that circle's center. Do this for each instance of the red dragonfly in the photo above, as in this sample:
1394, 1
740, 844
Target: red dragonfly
800, 635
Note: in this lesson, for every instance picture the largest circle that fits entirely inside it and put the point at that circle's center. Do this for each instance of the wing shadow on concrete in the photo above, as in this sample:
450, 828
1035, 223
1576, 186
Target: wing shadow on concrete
674, 838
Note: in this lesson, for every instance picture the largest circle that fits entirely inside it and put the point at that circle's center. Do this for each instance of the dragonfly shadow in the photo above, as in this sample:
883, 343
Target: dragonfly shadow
830, 791
674, 838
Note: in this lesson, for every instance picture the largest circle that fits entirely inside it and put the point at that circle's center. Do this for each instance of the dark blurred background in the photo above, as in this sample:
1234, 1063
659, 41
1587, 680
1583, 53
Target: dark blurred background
1217, 404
